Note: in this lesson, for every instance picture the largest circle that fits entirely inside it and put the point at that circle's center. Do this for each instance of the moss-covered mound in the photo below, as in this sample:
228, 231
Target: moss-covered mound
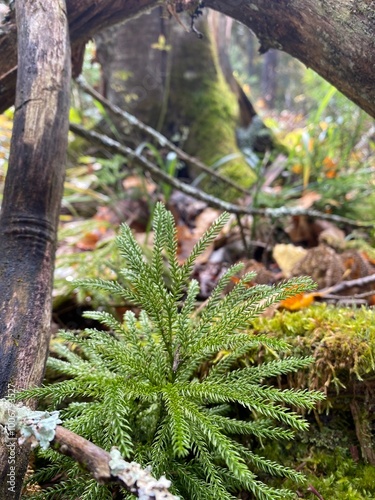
338, 454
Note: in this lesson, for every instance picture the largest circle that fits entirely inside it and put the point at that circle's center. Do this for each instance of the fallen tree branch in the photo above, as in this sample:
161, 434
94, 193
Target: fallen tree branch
110, 467
117, 148
343, 285
40, 427
162, 140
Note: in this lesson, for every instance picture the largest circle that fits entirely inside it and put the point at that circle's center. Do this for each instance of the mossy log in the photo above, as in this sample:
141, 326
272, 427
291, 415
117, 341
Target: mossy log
342, 341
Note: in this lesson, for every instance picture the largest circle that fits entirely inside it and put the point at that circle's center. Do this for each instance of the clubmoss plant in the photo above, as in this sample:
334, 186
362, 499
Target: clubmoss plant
137, 384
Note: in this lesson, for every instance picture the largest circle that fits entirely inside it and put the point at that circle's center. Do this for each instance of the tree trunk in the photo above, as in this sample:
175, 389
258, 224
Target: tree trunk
177, 86
30, 209
269, 78
336, 38
221, 33
136, 84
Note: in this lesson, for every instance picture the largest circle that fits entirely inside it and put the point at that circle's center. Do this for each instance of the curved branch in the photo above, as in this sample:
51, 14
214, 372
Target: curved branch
40, 428
336, 38
98, 462
162, 140
117, 148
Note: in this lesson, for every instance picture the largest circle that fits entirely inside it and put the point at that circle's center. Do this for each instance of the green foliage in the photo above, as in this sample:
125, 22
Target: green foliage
338, 477
331, 152
327, 462
137, 384
71, 265
170, 165
341, 339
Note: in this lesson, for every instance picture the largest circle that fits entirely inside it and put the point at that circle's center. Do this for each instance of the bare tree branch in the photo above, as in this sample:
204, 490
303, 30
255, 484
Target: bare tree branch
117, 148
97, 461
162, 140
344, 285
40, 428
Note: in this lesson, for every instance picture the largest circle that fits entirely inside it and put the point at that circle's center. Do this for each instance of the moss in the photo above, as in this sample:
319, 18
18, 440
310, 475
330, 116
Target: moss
338, 477
202, 101
324, 456
342, 341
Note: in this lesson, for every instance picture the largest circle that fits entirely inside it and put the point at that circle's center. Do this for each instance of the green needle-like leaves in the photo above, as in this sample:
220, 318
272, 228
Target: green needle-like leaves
135, 384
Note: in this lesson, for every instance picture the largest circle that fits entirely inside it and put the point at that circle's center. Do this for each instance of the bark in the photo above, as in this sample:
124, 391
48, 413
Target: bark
85, 19
269, 78
221, 32
363, 421
178, 88
30, 208
336, 38
136, 84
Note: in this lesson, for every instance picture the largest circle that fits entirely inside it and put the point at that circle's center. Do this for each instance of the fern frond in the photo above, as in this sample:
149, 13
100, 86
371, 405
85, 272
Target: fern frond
189, 479
206, 463
259, 428
179, 428
159, 222
130, 250
95, 490
256, 374
108, 320
109, 286
271, 467
72, 486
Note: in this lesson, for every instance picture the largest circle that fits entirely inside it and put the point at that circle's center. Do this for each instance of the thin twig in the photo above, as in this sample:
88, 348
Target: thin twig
242, 232
162, 140
40, 427
315, 492
117, 148
355, 296
360, 282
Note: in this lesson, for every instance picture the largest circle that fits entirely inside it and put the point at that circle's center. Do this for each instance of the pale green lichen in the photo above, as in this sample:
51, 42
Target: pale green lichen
37, 427
139, 480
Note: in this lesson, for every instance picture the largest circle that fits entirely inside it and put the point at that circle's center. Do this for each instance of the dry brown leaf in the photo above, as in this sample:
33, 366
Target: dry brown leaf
308, 199
89, 240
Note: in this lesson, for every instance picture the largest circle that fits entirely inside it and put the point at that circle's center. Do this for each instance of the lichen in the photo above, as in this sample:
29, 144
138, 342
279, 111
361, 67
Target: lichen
139, 480
36, 427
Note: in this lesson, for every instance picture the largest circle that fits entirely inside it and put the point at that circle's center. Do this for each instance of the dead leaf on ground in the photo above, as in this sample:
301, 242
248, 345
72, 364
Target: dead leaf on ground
307, 200
305, 231
299, 301
287, 256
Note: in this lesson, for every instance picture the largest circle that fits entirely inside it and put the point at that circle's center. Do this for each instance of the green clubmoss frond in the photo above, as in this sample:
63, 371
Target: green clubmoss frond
165, 385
